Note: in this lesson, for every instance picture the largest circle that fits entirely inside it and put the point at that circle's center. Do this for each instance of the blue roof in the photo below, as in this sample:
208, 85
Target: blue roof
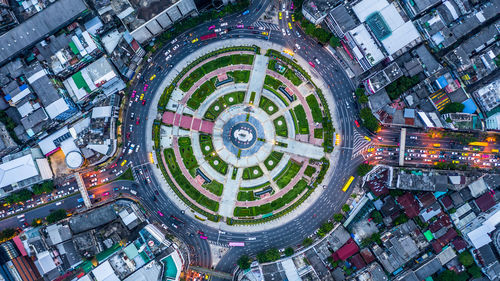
22, 87
7, 97
470, 106
441, 81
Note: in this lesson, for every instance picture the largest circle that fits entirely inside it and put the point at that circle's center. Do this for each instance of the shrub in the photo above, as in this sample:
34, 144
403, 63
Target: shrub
466, 259
309, 171
244, 262
346, 208
338, 217
307, 242
56, 216
369, 120
301, 119
363, 169
273, 83
315, 109
453, 107
401, 85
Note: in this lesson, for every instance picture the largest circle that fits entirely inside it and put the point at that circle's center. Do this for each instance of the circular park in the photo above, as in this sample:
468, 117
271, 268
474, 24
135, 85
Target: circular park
243, 135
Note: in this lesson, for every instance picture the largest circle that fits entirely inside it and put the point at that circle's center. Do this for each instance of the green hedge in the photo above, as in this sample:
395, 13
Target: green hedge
183, 183
290, 75
273, 205
271, 82
214, 187
315, 109
201, 94
286, 176
266, 103
240, 76
187, 155
302, 123
246, 196
248, 173
238, 97
281, 130
318, 133
309, 171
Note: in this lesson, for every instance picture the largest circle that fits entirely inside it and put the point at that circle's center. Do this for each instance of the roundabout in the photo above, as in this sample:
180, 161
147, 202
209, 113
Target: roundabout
244, 136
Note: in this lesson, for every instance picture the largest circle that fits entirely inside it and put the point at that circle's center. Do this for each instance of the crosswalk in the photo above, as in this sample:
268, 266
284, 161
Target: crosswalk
359, 143
266, 25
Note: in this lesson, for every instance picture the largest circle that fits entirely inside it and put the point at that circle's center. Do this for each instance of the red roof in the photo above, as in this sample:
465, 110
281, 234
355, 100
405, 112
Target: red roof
436, 246
367, 255
426, 199
378, 184
358, 261
446, 201
459, 244
447, 237
485, 201
350, 248
443, 220
409, 204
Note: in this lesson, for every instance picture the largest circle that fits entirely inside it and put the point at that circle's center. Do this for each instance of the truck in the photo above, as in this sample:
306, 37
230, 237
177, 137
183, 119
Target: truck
208, 36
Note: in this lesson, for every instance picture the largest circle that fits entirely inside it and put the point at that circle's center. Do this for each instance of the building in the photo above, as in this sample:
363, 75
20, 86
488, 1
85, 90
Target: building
488, 97
478, 233
316, 11
23, 169
38, 27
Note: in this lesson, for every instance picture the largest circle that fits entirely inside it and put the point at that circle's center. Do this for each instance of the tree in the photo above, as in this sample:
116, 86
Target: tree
44, 187
359, 92
401, 219
261, 257
322, 35
363, 169
289, 251
346, 208
334, 42
466, 259
453, 107
307, 241
377, 217
338, 217
363, 99
244, 262
56, 216
310, 29
369, 120
272, 254
449, 275
325, 228
19, 196
475, 271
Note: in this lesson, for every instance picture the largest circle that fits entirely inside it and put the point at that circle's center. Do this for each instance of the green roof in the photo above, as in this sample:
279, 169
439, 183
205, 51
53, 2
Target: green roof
80, 81
131, 251
428, 235
73, 48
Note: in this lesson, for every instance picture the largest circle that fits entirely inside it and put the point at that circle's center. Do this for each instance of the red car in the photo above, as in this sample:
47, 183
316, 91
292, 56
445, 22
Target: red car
203, 237
143, 101
312, 64
133, 93
137, 121
114, 165
160, 213
105, 194
357, 123
128, 137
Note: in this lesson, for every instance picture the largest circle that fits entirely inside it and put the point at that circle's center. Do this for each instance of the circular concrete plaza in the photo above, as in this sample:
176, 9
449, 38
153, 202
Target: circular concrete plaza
241, 135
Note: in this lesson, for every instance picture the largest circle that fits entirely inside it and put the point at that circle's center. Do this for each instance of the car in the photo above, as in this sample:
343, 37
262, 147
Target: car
119, 173
203, 237
137, 121
132, 116
143, 101
152, 77
283, 31
297, 46
194, 40
211, 27
280, 15
312, 64
413, 137
116, 189
293, 18
223, 24
240, 26
290, 25
157, 192
141, 97
317, 60
167, 52
93, 175
168, 57
160, 213
357, 123
105, 180
102, 170
251, 27
133, 94
105, 193
298, 34
175, 47
58, 203
128, 135
93, 180
123, 163
218, 30
265, 33
130, 103
175, 226
137, 148
145, 87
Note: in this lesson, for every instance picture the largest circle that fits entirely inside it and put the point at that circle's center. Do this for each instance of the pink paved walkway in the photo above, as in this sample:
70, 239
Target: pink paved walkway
187, 175
187, 122
180, 189
207, 77
278, 194
289, 85
213, 58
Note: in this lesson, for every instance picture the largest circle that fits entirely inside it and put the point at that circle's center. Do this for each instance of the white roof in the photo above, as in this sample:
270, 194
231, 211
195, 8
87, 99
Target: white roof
21, 95
85, 277
367, 7
45, 261
290, 270
426, 119
392, 17
47, 144
400, 37
17, 170
56, 108
44, 168
478, 187
74, 159
365, 41
25, 109
104, 272
480, 236
101, 112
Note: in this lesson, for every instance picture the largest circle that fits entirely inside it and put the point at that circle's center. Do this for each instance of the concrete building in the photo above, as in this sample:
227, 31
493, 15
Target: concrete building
23, 169
316, 11
488, 97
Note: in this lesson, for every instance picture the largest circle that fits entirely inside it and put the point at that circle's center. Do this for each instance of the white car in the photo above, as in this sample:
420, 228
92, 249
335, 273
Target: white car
262, 28
119, 173
105, 180
137, 148
317, 61
175, 47
218, 30
168, 57
283, 31
167, 53
297, 46
413, 137
174, 41
58, 203
223, 24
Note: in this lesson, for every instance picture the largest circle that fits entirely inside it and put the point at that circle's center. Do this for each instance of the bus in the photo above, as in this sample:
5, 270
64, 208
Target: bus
236, 244
208, 36
348, 184
478, 143
437, 145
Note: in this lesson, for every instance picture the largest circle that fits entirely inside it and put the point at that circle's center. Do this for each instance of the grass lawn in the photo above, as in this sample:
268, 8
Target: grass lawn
206, 144
287, 174
309, 171
290, 75
216, 162
274, 205
184, 184
187, 83
283, 99
271, 82
234, 98
246, 196
252, 173
214, 187
267, 105
201, 94
318, 133
215, 109
187, 155
272, 160
240, 76
280, 126
315, 109
300, 114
